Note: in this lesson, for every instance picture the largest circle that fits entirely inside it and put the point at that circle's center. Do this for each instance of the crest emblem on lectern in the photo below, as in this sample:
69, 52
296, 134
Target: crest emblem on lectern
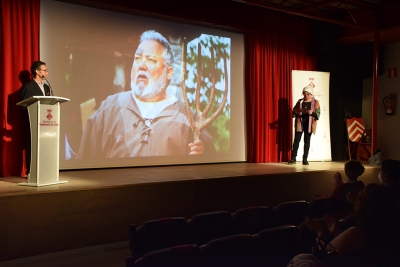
49, 116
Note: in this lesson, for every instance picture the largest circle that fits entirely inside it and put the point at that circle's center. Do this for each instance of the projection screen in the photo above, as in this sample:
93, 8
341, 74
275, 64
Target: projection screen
95, 58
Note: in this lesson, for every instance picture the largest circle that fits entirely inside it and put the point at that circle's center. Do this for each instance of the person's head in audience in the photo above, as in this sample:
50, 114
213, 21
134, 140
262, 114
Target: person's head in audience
353, 169
390, 172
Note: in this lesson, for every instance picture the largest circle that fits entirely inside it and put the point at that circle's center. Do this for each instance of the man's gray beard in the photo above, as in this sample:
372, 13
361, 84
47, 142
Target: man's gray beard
152, 89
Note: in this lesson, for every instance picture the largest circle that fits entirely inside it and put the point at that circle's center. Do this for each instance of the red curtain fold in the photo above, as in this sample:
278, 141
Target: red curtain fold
270, 61
19, 47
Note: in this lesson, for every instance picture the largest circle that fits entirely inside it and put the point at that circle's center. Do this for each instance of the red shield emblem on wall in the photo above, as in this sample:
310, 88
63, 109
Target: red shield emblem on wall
355, 128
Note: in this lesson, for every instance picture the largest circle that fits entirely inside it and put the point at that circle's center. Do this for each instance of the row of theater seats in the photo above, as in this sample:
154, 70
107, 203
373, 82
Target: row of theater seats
202, 228
270, 247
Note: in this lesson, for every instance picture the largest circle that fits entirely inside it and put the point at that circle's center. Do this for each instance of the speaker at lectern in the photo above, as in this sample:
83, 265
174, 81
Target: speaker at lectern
44, 120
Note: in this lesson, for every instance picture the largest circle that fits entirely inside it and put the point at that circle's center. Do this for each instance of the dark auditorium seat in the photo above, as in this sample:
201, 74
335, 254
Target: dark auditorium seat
177, 256
160, 233
276, 246
232, 251
130, 261
205, 227
252, 220
292, 212
133, 240
338, 208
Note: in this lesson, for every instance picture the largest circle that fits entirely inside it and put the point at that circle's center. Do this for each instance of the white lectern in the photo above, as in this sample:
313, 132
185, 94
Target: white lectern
44, 118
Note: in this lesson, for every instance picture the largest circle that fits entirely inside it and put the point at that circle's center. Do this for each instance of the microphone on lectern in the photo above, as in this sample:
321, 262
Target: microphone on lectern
51, 89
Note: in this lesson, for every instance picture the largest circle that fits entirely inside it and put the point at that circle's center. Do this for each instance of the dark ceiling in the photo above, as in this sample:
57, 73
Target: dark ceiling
359, 19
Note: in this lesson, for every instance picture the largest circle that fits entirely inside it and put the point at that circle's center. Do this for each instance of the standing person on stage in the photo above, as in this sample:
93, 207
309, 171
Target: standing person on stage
306, 113
36, 87
146, 121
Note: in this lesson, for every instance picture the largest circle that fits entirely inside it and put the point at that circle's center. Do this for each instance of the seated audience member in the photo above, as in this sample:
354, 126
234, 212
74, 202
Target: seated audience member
346, 192
389, 176
353, 169
377, 220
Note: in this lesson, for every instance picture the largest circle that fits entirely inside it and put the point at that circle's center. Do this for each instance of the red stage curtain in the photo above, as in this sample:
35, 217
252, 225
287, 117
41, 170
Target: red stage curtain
19, 47
270, 61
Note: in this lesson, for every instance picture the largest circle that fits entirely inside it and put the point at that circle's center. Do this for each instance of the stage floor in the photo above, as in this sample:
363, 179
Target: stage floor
115, 177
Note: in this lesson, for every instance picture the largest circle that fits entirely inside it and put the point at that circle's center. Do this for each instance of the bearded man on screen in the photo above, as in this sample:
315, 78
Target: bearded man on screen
146, 121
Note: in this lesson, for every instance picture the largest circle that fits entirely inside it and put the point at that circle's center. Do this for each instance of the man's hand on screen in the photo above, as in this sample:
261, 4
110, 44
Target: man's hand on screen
196, 147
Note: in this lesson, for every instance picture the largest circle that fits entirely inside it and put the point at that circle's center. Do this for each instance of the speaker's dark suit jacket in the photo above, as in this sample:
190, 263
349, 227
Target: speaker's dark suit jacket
32, 89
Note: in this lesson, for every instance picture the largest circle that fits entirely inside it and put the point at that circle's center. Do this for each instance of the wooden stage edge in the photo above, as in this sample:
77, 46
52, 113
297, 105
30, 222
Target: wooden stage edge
96, 207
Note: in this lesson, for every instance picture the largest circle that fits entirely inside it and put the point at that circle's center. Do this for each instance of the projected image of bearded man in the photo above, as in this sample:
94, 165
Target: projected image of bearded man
146, 121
